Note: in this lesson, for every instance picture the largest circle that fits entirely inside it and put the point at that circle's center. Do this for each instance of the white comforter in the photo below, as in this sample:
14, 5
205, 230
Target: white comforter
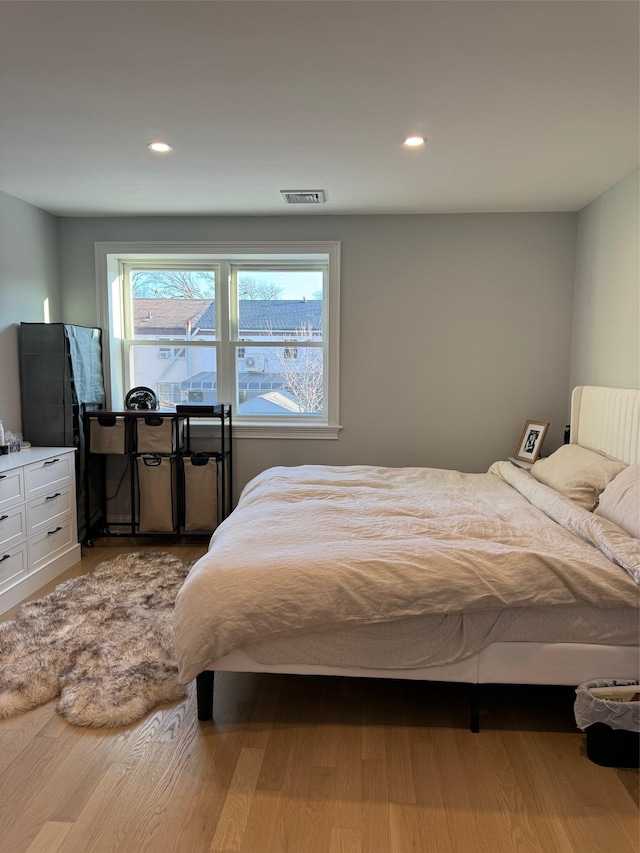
313, 547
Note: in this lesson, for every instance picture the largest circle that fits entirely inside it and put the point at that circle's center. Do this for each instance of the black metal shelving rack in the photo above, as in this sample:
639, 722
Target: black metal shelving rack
212, 440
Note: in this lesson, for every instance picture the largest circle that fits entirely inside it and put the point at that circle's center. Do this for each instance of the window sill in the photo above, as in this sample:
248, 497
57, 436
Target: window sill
201, 428
292, 431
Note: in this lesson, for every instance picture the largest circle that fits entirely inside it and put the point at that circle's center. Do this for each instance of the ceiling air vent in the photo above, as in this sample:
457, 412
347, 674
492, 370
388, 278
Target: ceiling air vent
303, 196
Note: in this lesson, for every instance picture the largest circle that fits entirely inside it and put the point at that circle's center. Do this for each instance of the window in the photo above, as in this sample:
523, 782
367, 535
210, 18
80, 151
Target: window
254, 325
168, 394
290, 352
170, 352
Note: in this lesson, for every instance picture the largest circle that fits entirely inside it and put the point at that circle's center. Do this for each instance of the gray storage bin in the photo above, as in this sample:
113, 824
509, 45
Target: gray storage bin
157, 494
107, 434
200, 493
159, 434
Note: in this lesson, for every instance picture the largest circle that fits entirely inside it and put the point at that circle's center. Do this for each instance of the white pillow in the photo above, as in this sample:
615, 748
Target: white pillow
577, 473
620, 501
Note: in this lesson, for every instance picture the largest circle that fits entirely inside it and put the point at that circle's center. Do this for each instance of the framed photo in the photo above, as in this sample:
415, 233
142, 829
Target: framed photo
531, 440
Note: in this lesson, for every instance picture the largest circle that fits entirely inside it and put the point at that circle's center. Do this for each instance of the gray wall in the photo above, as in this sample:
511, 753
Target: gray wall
606, 316
454, 328
28, 276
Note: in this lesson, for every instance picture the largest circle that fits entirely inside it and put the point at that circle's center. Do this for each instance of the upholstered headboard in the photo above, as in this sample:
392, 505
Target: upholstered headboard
607, 420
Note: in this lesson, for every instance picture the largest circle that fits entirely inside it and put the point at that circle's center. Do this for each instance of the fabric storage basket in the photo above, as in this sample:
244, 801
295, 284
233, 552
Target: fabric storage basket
159, 434
107, 434
200, 493
156, 490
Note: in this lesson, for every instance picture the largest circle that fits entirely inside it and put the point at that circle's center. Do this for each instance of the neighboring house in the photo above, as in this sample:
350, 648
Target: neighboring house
188, 373
164, 367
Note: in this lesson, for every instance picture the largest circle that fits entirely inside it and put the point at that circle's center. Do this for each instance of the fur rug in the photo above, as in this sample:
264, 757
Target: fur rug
103, 642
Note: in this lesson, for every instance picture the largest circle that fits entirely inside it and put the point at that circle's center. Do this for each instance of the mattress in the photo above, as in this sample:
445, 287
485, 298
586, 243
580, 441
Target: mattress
436, 640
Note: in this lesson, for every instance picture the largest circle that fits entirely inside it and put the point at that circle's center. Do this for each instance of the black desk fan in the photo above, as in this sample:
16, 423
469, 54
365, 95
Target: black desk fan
141, 397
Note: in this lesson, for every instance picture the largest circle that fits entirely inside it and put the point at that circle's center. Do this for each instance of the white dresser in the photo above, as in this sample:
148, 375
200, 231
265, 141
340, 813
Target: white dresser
38, 524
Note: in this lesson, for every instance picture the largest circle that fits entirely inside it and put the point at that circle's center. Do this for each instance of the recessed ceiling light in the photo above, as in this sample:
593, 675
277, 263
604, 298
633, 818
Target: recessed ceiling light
161, 147
414, 141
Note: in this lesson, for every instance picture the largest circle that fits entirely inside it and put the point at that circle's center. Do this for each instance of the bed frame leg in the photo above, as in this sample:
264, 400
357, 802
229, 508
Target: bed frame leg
474, 720
204, 694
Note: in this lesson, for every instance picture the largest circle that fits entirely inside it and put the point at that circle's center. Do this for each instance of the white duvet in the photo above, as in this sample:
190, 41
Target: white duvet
314, 547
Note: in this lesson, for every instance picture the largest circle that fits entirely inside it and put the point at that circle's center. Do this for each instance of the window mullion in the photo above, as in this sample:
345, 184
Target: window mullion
127, 328
224, 322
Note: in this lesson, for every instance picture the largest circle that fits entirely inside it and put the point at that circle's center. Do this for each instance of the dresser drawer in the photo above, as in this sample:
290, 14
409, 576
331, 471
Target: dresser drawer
49, 475
11, 488
13, 526
53, 541
48, 509
13, 566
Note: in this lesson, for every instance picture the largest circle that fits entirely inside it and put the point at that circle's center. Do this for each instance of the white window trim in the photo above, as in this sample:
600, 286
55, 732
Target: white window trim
108, 257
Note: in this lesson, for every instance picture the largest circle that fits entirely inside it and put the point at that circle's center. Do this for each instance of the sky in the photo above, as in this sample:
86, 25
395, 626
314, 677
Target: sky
295, 284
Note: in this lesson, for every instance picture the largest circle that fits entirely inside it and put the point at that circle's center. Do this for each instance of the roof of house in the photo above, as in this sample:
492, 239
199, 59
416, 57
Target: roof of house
291, 314
271, 403
166, 316
206, 380
161, 316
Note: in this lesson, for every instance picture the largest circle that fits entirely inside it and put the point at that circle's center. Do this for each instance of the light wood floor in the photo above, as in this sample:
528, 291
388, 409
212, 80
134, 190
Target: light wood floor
302, 765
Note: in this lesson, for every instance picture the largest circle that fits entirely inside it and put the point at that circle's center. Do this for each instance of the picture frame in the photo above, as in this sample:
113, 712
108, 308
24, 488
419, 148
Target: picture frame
530, 443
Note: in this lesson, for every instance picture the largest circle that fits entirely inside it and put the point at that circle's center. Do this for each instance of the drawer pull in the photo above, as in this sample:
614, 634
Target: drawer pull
3, 476
6, 557
2, 517
51, 532
52, 497
51, 461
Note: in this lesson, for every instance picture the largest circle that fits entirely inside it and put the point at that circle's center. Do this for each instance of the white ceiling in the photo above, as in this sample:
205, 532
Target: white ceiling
527, 105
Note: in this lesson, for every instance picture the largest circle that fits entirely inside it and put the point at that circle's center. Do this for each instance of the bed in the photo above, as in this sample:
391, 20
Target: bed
510, 577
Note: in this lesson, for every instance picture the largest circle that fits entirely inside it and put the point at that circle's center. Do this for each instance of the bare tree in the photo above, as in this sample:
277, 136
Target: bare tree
172, 284
249, 288
302, 375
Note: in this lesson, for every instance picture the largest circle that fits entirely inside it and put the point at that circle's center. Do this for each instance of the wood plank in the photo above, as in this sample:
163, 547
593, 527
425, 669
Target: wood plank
349, 752
319, 812
433, 815
299, 771
264, 831
235, 812
376, 836
99, 822
345, 840
26, 798
398, 750
50, 838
